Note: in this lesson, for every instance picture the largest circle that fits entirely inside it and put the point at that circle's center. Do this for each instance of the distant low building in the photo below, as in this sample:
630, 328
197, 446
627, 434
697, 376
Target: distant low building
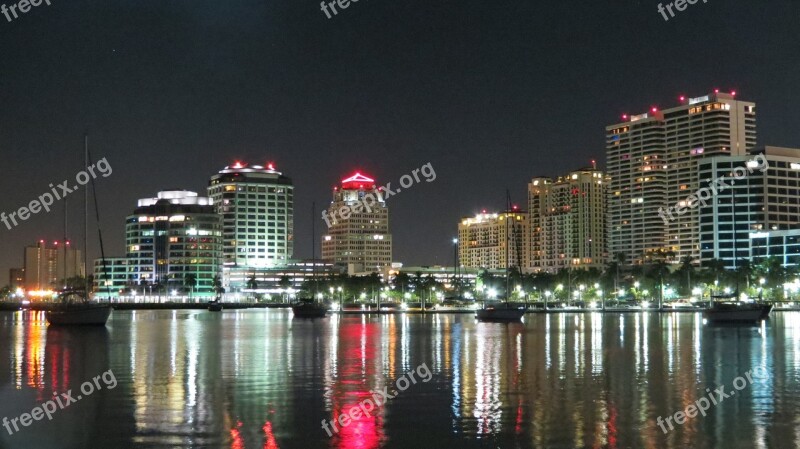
16, 278
48, 264
278, 279
467, 277
115, 278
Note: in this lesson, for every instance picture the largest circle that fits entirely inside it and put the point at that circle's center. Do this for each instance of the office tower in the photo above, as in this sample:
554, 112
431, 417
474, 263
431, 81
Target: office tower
749, 208
357, 222
171, 238
257, 208
494, 240
48, 265
567, 221
652, 162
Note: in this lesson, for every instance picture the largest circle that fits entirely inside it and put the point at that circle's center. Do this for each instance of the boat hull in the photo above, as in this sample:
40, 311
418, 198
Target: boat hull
215, 307
83, 315
735, 313
309, 310
499, 314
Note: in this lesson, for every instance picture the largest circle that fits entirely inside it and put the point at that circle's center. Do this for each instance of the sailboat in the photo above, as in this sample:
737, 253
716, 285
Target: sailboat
309, 307
74, 306
502, 311
726, 309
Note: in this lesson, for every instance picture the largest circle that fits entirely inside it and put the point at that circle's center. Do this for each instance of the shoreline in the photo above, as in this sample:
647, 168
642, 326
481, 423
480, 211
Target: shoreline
14, 307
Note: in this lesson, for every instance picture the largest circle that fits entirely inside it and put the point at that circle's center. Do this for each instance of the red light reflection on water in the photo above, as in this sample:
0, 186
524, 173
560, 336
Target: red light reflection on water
237, 442
269, 442
351, 389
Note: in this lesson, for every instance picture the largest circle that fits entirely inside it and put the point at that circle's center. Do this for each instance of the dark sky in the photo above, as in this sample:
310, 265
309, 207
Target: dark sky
491, 93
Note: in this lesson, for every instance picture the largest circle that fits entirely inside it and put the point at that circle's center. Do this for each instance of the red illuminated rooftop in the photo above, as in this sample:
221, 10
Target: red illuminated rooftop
358, 182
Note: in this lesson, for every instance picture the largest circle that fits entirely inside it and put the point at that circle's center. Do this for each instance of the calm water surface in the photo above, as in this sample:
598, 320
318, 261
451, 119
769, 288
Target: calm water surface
261, 379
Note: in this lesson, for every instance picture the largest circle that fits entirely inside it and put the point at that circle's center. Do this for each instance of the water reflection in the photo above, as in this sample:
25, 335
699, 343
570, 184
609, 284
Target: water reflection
261, 379
47, 363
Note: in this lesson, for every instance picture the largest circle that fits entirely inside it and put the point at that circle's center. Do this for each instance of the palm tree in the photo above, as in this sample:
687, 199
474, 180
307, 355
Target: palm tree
716, 268
284, 283
658, 270
218, 285
190, 281
401, 282
744, 269
252, 283
687, 268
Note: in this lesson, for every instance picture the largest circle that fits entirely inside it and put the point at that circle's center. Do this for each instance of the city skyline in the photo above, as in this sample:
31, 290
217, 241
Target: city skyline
271, 167
335, 103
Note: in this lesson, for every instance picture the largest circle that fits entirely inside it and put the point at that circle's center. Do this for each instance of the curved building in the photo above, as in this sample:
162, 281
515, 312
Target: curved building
171, 238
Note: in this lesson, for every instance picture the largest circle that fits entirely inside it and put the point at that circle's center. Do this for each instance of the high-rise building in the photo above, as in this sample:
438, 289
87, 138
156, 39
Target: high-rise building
494, 240
171, 238
358, 234
257, 208
652, 159
747, 202
567, 221
48, 265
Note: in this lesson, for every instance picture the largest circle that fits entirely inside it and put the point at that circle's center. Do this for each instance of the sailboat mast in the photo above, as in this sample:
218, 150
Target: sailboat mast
508, 207
65, 242
86, 219
314, 248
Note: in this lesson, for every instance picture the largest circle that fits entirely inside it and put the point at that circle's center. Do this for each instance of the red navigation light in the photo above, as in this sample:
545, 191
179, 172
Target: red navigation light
682, 98
716, 91
271, 166
484, 211
624, 116
237, 165
654, 109
514, 207
733, 93
55, 243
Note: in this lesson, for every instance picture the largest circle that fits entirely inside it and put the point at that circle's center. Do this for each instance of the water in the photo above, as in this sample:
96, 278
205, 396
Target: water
260, 379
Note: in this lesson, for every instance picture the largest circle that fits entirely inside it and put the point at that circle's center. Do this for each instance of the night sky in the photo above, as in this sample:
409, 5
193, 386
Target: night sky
491, 93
